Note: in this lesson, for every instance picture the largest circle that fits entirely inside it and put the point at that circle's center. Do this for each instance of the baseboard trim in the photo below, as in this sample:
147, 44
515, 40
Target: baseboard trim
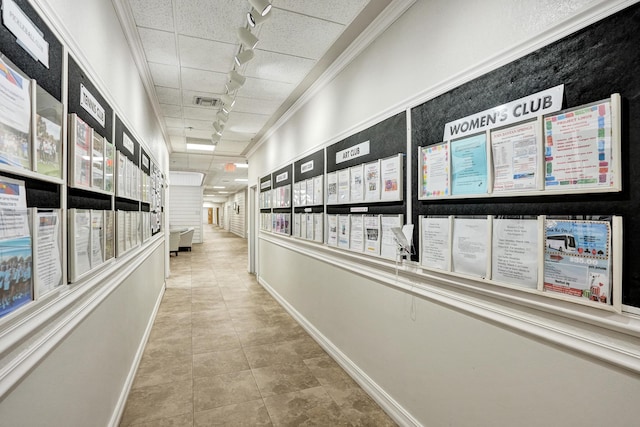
377, 393
118, 411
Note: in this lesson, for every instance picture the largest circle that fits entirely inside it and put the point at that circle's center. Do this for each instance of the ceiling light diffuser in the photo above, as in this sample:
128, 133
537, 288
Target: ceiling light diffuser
201, 147
262, 6
246, 38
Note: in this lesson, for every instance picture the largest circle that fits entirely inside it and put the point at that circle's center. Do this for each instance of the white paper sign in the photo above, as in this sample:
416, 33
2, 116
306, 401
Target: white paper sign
435, 243
544, 102
469, 248
515, 256
359, 150
27, 34
93, 107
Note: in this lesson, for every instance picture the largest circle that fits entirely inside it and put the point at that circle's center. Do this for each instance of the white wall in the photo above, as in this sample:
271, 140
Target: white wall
185, 209
238, 221
463, 358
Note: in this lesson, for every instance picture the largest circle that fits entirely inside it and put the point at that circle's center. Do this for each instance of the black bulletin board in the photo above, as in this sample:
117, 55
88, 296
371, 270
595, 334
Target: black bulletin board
144, 158
263, 180
119, 141
50, 79
318, 166
288, 170
386, 139
78, 77
593, 63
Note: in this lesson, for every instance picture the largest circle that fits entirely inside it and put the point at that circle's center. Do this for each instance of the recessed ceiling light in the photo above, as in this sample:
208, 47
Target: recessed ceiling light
242, 165
241, 180
200, 147
219, 187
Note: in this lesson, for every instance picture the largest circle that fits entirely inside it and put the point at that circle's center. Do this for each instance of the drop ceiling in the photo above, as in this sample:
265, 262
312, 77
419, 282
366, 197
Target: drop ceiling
186, 48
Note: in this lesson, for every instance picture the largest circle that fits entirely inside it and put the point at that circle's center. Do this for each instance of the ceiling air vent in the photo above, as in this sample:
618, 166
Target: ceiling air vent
206, 101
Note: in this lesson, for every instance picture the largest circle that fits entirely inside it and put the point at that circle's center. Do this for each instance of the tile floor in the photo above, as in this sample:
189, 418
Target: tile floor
223, 352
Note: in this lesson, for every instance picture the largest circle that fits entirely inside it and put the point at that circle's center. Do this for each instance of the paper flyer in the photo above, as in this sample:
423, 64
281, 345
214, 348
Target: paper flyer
97, 238
309, 192
435, 171
469, 165
309, 220
356, 238
436, 252
515, 256
332, 232
515, 158
82, 153
15, 116
97, 162
388, 248
577, 259
48, 141
82, 240
296, 225
578, 148
48, 268
391, 174
372, 234
356, 187
469, 249
372, 182
318, 224
332, 188
343, 231
317, 190
343, 186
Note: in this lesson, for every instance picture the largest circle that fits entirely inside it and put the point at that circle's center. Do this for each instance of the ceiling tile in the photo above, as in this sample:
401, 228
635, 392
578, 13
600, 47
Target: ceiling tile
188, 96
206, 54
175, 131
167, 95
245, 123
207, 81
211, 19
255, 105
231, 148
169, 110
200, 161
159, 46
298, 35
199, 133
173, 122
175, 139
165, 75
340, 11
157, 14
278, 67
264, 89
199, 125
200, 113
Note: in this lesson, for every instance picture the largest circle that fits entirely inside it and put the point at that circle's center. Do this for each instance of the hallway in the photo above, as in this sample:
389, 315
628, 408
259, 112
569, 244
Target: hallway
222, 351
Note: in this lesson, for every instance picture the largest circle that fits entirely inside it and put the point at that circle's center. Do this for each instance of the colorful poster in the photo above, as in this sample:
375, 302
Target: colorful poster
15, 116
435, 171
578, 148
436, 252
81, 152
48, 141
514, 257
515, 158
577, 259
469, 165
391, 173
469, 249
372, 182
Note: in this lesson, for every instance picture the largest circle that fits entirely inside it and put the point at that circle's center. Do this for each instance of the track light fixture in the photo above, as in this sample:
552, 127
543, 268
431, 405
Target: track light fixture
246, 38
228, 100
215, 138
218, 127
262, 6
254, 18
222, 116
234, 76
244, 57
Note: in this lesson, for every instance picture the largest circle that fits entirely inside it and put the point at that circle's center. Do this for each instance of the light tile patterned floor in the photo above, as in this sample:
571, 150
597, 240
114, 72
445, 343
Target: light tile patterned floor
223, 352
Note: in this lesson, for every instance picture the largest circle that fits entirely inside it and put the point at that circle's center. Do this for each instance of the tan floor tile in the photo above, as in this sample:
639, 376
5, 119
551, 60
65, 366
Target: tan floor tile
306, 407
207, 342
285, 378
359, 408
252, 413
151, 403
170, 347
219, 362
329, 373
269, 335
271, 354
184, 420
223, 390
162, 370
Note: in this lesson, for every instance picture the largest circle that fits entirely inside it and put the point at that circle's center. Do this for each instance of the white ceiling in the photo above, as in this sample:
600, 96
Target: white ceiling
189, 48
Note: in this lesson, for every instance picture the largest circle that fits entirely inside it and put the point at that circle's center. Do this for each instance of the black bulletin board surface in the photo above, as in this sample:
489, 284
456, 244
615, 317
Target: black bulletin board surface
386, 139
263, 180
318, 166
50, 79
288, 170
119, 141
593, 63
144, 157
78, 77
